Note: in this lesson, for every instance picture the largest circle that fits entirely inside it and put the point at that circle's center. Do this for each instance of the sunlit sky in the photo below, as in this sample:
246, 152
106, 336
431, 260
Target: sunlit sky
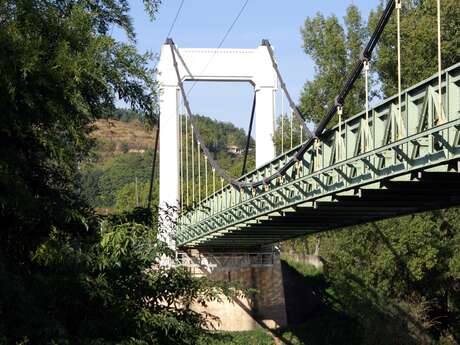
203, 23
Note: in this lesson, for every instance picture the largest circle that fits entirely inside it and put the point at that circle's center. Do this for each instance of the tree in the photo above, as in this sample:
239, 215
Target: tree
108, 289
334, 50
59, 71
398, 277
418, 43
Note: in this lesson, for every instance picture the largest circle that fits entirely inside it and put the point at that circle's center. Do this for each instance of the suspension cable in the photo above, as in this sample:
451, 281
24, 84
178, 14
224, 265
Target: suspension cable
398, 43
339, 141
181, 158
301, 135
175, 18
292, 124
206, 176
440, 110
222, 189
240, 12
187, 161
317, 163
199, 170
152, 175
213, 181
365, 54
366, 82
192, 144
293, 106
282, 121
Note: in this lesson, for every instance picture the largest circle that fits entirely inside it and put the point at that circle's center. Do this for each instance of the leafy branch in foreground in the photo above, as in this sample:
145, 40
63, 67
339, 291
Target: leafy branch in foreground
112, 279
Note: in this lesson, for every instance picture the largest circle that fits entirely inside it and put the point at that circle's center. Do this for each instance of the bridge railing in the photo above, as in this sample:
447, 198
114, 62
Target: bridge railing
356, 152
204, 263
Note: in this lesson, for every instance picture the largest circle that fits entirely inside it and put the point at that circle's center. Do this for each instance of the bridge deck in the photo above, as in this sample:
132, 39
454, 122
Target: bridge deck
358, 173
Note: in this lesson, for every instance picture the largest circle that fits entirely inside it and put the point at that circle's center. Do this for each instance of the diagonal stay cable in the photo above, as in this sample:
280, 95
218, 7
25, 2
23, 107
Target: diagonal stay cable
173, 23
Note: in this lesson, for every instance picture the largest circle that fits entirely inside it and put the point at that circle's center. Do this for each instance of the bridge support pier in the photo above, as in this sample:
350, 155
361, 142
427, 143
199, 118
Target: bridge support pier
265, 125
169, 163
257, 270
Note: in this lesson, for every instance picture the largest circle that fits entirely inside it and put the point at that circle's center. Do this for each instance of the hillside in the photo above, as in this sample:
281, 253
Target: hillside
115, 137
118, 176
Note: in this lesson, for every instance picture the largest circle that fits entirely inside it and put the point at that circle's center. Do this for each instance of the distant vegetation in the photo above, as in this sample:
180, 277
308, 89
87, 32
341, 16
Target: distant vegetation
218, 136
105, 182
124, 153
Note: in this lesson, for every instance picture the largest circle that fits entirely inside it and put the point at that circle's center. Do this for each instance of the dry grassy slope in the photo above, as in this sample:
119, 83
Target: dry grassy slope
116, 137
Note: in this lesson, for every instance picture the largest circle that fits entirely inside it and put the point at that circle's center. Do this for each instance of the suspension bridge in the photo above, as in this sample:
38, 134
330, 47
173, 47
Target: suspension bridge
398, 157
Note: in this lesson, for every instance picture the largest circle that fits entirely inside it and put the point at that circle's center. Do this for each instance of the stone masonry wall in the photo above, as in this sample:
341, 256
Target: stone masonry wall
265, 308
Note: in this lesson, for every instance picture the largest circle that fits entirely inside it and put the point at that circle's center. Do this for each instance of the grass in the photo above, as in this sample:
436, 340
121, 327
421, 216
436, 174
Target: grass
256, 337
305, 269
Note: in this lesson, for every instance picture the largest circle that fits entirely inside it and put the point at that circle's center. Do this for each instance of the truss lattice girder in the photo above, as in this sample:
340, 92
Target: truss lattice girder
413, 173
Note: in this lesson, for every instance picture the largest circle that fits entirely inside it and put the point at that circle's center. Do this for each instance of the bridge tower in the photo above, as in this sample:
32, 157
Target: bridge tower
207, 64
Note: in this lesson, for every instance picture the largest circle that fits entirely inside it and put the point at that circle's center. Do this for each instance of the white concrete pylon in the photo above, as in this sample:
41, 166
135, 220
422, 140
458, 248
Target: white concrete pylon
210, 64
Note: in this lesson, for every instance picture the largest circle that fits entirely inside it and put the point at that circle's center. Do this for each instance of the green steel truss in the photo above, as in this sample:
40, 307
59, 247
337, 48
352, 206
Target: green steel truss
355, 174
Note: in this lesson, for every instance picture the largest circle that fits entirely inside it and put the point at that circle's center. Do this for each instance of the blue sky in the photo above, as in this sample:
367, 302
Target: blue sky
202, 23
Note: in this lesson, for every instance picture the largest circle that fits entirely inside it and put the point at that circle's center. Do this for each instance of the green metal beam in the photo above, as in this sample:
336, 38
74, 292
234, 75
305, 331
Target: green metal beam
417, 172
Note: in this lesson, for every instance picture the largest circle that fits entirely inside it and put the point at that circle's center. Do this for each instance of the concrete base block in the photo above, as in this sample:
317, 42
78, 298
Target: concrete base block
265, 308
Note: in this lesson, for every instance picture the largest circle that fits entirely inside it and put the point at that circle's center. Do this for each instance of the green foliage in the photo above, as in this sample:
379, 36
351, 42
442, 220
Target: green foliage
328, 327
396, 272
219, 135
134, 195
400, 274
131, 115
78, 291
418, 43
126, 115
103, 184
66, 276
328, 322
398, 278
59, 71
111, 183
334, 50
258, 337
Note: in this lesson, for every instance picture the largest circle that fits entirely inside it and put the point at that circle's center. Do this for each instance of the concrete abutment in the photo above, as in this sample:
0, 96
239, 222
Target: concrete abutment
260, 271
